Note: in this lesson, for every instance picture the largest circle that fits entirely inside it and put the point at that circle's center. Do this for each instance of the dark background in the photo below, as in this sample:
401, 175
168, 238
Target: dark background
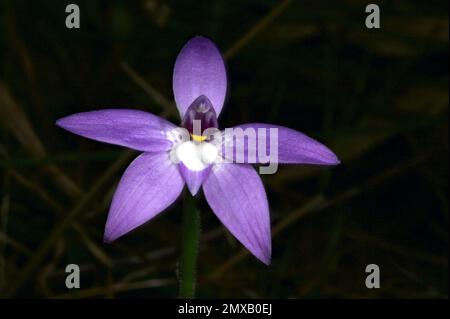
378, 98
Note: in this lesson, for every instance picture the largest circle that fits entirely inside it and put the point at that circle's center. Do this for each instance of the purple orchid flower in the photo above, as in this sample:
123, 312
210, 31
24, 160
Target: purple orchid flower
156, 178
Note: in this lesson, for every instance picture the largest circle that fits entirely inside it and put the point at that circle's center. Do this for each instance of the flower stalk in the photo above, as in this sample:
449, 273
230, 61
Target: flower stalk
189, 247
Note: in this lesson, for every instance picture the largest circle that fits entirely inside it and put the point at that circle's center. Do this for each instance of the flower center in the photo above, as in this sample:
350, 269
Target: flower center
196, 156
197, 153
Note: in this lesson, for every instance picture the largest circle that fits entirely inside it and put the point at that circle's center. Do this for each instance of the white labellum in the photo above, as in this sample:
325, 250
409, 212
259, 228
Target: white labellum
196, 156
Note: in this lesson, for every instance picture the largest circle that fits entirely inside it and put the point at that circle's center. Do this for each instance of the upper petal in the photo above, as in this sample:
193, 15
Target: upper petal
237, 196
199, 70
149, 185
246, 144
130, 128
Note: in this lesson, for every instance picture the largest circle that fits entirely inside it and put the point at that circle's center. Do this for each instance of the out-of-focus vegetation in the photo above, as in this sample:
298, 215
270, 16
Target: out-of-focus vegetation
379, 98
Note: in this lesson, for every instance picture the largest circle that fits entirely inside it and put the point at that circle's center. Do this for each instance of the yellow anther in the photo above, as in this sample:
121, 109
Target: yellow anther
198, 138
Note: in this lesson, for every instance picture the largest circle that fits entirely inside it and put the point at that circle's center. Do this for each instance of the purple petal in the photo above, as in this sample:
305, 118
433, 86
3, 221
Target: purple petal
130, 128
293, 147
149, 185
237, 196
193, 179
199, 70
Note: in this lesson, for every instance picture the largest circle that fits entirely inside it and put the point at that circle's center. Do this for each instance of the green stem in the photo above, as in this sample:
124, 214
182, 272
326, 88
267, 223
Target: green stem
189, 253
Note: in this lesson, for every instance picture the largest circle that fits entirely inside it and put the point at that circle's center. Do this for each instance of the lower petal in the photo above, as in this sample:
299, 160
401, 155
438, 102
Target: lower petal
194, 179
237, 196
195, 161
149, 185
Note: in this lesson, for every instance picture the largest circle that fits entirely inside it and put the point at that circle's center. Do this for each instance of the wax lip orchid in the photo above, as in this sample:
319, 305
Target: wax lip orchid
171, 159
